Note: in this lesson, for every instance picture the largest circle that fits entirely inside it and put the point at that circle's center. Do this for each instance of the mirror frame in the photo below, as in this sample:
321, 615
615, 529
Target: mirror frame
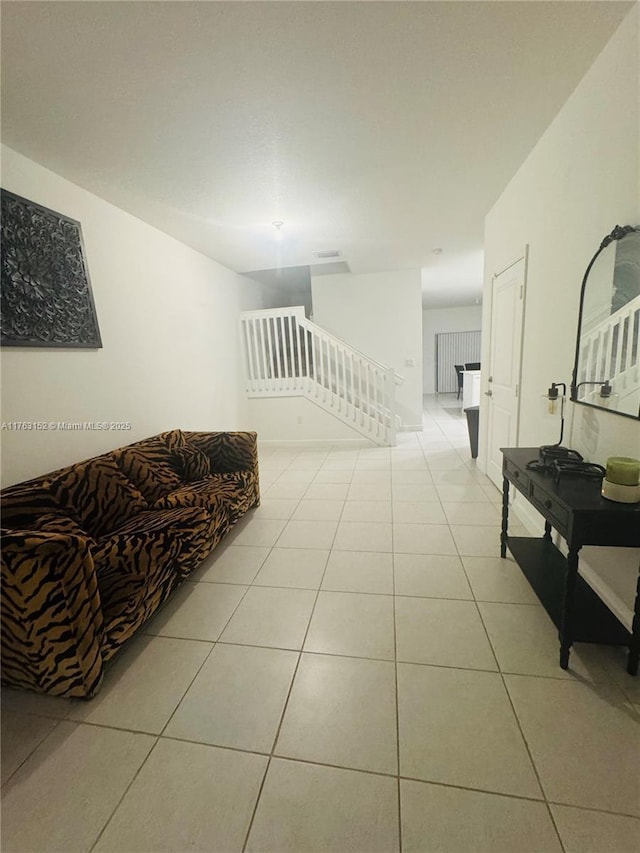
618, 233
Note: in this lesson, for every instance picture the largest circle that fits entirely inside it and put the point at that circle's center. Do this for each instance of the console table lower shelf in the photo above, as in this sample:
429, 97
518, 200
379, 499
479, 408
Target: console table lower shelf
545, 567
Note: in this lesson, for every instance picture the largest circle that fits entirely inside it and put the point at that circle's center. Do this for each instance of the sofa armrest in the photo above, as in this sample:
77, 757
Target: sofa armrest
227, 451
52, 622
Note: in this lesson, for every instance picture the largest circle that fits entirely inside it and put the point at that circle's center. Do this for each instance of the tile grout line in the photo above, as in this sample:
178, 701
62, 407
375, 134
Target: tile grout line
37, 746
124, 793
505, 688
286, 702
301, 651
67, 718
214, 644
159, 736
395, 669
377, 773
520, 729
177, 706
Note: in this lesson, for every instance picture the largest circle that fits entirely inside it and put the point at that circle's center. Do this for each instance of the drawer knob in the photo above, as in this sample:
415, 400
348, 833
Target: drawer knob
548, 504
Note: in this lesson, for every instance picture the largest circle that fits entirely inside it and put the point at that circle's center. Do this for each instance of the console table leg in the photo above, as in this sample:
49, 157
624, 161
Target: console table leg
634, 645
504, 538
566, 629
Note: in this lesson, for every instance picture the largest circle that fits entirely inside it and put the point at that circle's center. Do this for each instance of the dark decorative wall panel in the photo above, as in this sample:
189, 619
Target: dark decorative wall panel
46, 295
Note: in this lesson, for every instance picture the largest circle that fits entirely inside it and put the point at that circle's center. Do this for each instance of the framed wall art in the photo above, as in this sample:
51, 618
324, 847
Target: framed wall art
46, 297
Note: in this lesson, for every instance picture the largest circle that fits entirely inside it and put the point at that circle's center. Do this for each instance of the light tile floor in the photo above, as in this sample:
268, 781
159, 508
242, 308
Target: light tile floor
354, 670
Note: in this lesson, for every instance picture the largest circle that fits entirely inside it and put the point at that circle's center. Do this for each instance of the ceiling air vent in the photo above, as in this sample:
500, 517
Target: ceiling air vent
330, 253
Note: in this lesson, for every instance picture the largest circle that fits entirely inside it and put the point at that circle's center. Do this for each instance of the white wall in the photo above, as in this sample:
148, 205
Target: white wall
581, 179
438, 321
381, 315
169, 323
298, 419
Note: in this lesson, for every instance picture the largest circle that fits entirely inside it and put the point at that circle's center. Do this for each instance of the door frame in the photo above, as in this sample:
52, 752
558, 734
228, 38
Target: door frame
523, 256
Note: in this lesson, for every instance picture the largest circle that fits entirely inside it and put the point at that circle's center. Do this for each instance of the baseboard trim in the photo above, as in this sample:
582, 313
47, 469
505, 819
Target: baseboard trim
315, 442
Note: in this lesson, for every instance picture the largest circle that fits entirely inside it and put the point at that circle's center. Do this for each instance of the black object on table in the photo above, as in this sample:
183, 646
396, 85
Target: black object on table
575, 508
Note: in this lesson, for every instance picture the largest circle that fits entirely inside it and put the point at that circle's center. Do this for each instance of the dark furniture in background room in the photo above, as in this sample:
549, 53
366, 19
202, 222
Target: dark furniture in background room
472, 365
460, 376
575, 508
473, 423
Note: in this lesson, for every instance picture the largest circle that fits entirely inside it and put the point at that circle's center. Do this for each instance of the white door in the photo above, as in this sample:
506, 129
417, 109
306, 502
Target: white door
507, 300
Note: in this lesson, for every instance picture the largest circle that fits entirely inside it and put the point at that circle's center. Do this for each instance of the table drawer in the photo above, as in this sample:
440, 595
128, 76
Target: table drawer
516, 475
549, 506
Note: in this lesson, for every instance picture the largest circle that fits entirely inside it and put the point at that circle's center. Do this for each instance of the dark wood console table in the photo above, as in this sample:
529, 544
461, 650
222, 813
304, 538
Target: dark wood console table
575, 508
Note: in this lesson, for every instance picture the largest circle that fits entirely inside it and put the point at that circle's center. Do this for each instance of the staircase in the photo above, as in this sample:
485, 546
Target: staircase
610, 352
287, 355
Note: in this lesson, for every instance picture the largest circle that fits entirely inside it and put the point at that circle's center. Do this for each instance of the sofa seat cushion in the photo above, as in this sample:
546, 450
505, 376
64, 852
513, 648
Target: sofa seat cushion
151, 465
140, 542
236, 489
203, 493
59, 522
228, 494
97, 495
130, 566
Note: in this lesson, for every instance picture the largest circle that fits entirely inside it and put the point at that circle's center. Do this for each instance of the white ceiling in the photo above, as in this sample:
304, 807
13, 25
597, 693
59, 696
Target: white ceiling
382, 129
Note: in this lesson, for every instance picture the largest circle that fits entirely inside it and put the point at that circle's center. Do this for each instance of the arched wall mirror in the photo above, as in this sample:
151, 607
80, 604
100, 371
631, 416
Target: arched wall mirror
606, 371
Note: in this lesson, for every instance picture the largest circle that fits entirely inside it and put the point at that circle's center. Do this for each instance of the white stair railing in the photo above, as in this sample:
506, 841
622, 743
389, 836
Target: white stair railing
609, 352
287, 355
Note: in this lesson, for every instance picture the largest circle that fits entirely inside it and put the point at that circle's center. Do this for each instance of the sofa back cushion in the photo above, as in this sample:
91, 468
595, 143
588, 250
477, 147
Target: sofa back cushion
227, 451
97, 495
151, 465
193, 463
171, 438
23, 504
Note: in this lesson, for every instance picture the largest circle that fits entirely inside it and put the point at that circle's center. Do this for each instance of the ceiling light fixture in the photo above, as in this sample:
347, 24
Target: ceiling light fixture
277, 224
437, 251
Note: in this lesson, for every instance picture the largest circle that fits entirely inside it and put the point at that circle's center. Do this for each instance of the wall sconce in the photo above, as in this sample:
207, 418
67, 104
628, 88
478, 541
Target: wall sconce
554, 403
603, 395
548, 454
555, 400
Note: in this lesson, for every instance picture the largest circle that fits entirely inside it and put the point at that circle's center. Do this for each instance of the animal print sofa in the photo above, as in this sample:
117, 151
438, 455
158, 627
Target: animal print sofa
91, 551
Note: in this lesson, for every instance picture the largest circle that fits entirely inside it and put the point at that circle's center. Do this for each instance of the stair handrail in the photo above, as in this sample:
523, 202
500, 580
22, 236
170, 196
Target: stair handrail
314, 328
627, 309
604, 327
298, 312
